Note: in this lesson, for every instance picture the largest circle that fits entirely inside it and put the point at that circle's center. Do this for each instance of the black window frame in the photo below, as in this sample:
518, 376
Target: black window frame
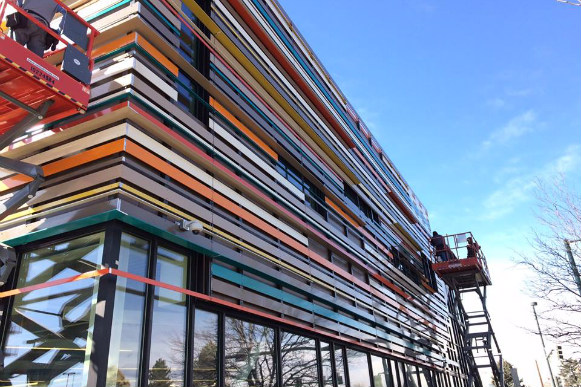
198, 265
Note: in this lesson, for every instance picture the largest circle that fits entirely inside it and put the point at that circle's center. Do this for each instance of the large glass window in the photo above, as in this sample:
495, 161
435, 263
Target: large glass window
126, 332
168, 327
249, 354
50, 339
358, 369
299, 361
381, 372
326, 364
205, 349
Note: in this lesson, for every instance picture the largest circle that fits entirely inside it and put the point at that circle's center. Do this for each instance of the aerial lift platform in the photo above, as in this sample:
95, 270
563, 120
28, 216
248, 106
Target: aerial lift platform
461, 264
37, 90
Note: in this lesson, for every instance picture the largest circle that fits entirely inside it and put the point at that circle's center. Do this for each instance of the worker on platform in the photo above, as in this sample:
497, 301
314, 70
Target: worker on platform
442, 249
472, 247
31, 35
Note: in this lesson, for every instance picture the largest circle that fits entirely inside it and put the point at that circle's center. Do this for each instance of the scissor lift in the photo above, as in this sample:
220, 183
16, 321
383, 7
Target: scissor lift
461, 264
35, 90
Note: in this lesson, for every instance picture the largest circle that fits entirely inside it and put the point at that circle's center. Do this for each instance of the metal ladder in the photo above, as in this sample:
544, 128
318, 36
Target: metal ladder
479, 341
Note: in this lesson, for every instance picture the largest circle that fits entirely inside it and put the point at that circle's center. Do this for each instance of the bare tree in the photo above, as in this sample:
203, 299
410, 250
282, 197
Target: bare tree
559, 216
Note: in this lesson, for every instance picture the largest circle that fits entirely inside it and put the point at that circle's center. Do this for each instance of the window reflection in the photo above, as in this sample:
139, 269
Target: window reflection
381, 372
425, 377
249, 355
326, 364
205, 349
49, 342
401, 375
299, 361
125, 347
168, 330
411, 376
339, 367
358, 369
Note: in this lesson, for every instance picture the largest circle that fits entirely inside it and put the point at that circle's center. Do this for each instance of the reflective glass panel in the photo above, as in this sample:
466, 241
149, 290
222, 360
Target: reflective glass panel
411, 376
126, 332
299, 361
425, 377
340, 367
381, 372
168, 327
50, 337
358, 369
205, 349
402, 374
326, 365
249, 355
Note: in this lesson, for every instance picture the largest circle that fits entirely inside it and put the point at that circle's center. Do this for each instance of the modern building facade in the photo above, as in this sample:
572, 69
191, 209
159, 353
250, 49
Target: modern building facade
220, 217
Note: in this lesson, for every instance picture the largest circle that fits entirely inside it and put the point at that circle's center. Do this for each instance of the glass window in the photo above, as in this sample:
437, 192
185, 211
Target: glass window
411, 376
381, 372
168, 326
447, 381
205, 349
326, 364
425, 377
125, 347
339, 366
50, 336
299, 361
358, 369
249, 354
437, 380
401, 374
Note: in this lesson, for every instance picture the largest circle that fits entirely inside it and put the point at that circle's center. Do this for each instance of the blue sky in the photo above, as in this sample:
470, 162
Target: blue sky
472, 101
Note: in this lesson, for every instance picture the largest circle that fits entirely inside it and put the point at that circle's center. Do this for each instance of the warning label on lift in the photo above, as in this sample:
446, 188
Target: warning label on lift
42, 72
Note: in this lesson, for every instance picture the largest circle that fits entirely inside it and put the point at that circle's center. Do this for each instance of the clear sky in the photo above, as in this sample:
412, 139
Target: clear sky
471, 100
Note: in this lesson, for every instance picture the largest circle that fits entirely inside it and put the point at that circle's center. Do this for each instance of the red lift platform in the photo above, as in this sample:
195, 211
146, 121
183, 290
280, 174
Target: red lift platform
38, 90
460, 261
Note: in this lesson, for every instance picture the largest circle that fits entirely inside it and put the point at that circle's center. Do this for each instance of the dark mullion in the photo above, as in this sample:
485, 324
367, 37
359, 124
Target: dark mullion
370, 370
333, 365
149, 301
397, 372
105, 300
419, 380
319, 363
278, 357
404, 375
346, 366
388, 371
201, 269
220, 368
190, 323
